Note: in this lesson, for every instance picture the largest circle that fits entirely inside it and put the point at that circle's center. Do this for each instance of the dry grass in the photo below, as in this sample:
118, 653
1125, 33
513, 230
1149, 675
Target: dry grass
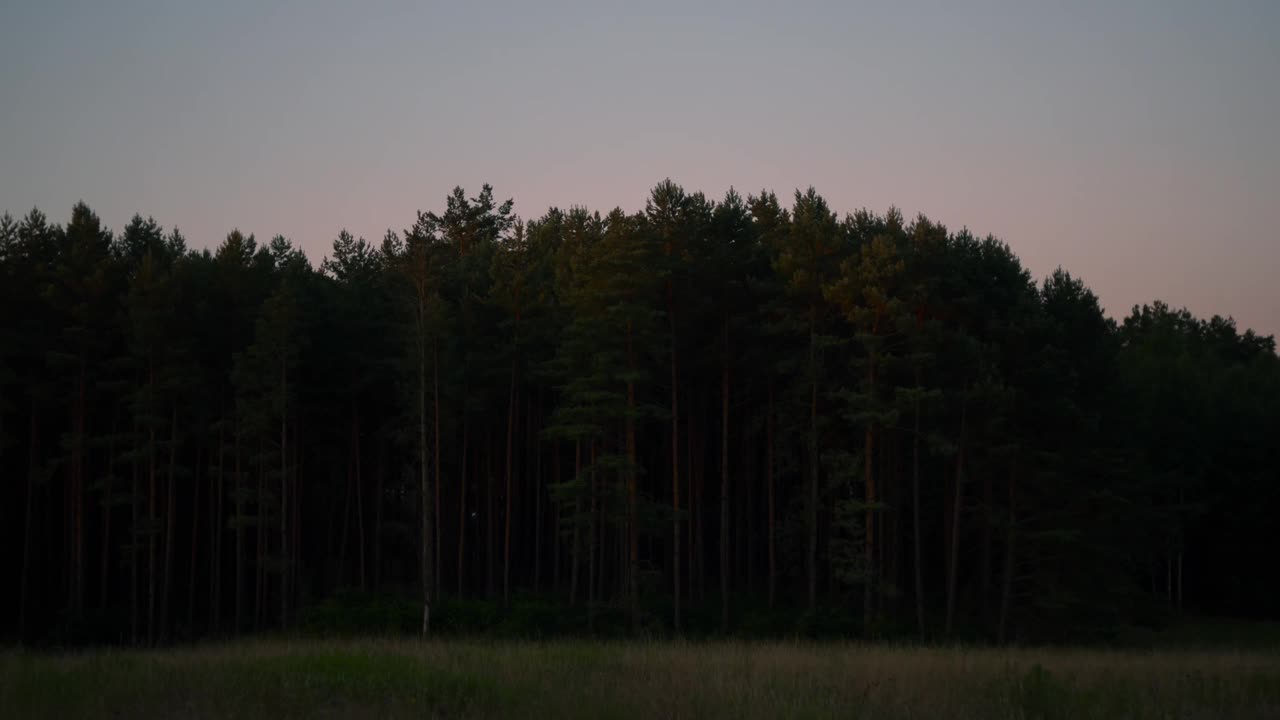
402, 678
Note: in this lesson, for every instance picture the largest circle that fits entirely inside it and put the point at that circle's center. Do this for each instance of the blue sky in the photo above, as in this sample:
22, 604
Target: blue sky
1135, 143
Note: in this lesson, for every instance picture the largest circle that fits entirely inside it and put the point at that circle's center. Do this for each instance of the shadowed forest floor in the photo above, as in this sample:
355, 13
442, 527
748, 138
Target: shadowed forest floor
405, 678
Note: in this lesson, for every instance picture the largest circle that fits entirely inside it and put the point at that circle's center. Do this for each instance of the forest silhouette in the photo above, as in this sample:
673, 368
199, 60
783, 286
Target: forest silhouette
712, 415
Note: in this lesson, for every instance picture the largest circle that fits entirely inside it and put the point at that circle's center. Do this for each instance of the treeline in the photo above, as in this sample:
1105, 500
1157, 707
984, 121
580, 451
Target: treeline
705, 412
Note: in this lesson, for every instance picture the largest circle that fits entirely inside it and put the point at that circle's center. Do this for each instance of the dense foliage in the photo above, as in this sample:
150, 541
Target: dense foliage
709, 415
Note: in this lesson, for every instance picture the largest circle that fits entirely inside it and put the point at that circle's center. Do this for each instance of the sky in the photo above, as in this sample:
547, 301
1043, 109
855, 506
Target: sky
1135, 143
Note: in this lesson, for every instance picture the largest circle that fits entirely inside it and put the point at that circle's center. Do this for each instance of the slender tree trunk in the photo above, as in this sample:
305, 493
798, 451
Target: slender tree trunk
915, 512
422, 464
745, 537
295, 522
868, 451
577, 513
699, 474
360, 539
284, 494
77, 498
489, 515
1179, 583
954, 560
108, 509
1006, 592
988, 520
506, 520
724, 478
890, 543
633, 514
869, 557
33, 455
168, 525
462, 507
195, 542
811, 559
675, 463
135, 549
335, 506
537, 498
151, 521
260, 572
377, 514
347, 494
555, 522
773, 563
436, 508
695, 507
215, 534
591, 547
239, 501
348, 501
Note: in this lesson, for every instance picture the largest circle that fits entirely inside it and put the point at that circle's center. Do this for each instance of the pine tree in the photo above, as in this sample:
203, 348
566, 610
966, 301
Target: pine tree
868, 293
812, 250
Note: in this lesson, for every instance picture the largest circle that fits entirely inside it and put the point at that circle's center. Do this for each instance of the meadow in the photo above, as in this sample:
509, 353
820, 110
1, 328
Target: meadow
395, 678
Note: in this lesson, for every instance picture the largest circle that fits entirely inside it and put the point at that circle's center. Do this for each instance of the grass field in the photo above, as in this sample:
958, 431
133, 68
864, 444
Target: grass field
403, 678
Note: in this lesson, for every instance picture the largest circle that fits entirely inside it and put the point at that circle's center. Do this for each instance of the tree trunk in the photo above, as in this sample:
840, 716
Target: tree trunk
422, 464
108, 508
1006, 592
506, 520
915, 513
489, 514
462, 505
591, 546
988, 520
260, 572
435, 401
215, 534
724, 478
870, 542
773, 563
151, 521
698, 565
956, 505
295, 521
868, 451
195, 542
348, 491
537, 497
891, 489
377, 515
675, 465
555, 522
694, 507
77, 498
577, 513
33, 454
284, 494
1179, 582
745, 534
135, 551
360, 540
811, 559
633, 514
168, 526
239, 500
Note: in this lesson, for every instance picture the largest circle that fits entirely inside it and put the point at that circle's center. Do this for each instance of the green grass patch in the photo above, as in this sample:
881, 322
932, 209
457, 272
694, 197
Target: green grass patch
387, 678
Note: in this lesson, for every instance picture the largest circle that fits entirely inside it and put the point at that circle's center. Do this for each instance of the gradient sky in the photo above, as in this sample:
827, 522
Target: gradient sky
1135, 143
